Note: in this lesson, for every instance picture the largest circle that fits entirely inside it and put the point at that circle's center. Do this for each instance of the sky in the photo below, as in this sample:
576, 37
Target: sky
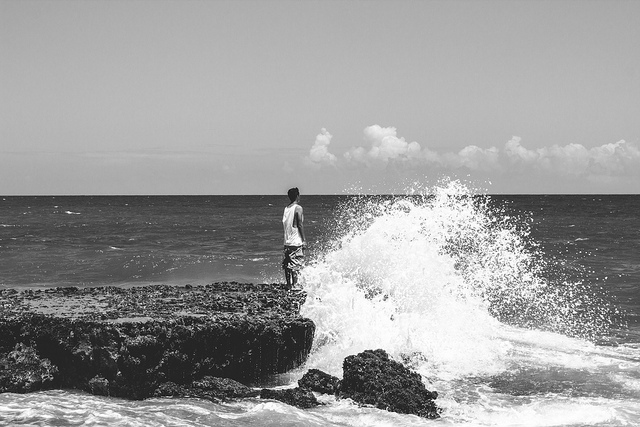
334, 97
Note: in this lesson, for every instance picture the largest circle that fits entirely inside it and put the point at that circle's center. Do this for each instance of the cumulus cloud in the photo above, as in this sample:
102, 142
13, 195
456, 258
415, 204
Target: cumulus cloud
620, 158
319, 154
617, 158
386, 146
571, 160
517, 153
474, 158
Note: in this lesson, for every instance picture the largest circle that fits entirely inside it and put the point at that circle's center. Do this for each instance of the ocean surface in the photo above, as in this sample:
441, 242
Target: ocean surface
519, 310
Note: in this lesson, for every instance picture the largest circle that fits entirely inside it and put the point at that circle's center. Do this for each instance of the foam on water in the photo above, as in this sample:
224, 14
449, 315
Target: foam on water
448, 284
428, 278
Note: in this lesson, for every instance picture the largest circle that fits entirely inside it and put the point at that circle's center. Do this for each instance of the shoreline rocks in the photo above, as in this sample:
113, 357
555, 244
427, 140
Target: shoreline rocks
210, 388
373, 378
321, 382
370, 378
128, 342
190, 341
299, 397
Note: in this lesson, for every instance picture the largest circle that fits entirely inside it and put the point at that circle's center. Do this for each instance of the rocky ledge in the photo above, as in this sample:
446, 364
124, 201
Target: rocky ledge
143, 341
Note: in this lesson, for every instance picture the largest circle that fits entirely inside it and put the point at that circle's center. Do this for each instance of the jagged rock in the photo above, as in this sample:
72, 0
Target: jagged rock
126, 342
372, 378
171, 389
99, 386
22, 370
211, 388
299, 397
225, 388
321, 382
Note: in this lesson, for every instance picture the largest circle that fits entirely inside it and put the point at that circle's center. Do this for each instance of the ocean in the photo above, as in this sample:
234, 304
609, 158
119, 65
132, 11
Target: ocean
519, 310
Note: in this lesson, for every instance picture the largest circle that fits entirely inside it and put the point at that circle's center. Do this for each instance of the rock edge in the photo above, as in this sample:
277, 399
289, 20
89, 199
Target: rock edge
131, 342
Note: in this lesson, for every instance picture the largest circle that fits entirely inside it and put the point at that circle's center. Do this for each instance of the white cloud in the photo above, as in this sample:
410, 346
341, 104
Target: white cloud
617, 159
570, 160
476, 158
386, 146
319, 154
620, 158
356, 155
518, 154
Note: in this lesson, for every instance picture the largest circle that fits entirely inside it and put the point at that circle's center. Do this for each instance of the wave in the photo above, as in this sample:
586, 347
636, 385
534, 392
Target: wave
434, 279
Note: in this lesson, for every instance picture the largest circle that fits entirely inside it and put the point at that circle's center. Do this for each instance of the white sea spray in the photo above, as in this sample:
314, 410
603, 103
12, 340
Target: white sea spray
432, 278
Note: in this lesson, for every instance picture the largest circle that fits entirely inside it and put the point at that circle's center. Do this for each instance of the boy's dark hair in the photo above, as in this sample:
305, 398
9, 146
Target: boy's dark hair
293, 194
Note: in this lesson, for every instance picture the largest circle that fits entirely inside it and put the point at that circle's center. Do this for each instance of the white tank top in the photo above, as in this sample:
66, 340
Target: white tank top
291, 234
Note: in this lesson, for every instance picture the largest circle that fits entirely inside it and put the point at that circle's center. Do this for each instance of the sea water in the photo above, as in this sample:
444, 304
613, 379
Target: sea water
517, 310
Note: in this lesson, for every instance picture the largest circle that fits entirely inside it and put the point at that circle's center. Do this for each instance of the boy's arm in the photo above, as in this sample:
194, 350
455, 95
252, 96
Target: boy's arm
299, 219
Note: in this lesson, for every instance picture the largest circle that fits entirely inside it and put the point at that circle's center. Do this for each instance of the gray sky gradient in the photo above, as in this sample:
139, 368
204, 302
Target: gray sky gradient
253, 97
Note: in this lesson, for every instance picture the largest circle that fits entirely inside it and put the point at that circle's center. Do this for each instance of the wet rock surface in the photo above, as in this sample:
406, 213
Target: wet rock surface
299, 397
321, 382
23, 370
131, 342
372, 378
210, 388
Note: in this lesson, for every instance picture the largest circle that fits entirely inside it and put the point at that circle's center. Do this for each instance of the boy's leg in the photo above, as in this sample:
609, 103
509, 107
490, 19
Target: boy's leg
287, 275
287, 272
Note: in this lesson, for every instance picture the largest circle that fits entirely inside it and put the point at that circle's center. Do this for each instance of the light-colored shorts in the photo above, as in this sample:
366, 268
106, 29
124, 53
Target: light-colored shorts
293, 258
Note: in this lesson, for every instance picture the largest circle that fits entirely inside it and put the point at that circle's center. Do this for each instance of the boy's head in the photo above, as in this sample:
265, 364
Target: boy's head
293, 194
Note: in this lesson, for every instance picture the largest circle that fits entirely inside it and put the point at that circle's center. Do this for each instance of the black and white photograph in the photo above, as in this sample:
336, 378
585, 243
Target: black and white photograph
254, 213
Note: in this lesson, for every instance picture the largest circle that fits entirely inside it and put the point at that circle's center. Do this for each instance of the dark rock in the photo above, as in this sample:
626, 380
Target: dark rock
105, 360
136, 339
224, 388
299, 397
321, 382
22, 370
171, 389
372, 378
99, 386
210, 388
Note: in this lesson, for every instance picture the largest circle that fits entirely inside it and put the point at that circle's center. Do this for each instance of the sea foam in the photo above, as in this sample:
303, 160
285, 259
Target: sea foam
433, 278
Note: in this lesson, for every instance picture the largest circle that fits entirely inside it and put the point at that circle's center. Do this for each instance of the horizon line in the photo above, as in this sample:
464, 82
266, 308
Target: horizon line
308, 195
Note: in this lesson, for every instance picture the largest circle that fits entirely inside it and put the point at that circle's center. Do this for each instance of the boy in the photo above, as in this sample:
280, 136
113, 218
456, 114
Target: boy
294, 241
